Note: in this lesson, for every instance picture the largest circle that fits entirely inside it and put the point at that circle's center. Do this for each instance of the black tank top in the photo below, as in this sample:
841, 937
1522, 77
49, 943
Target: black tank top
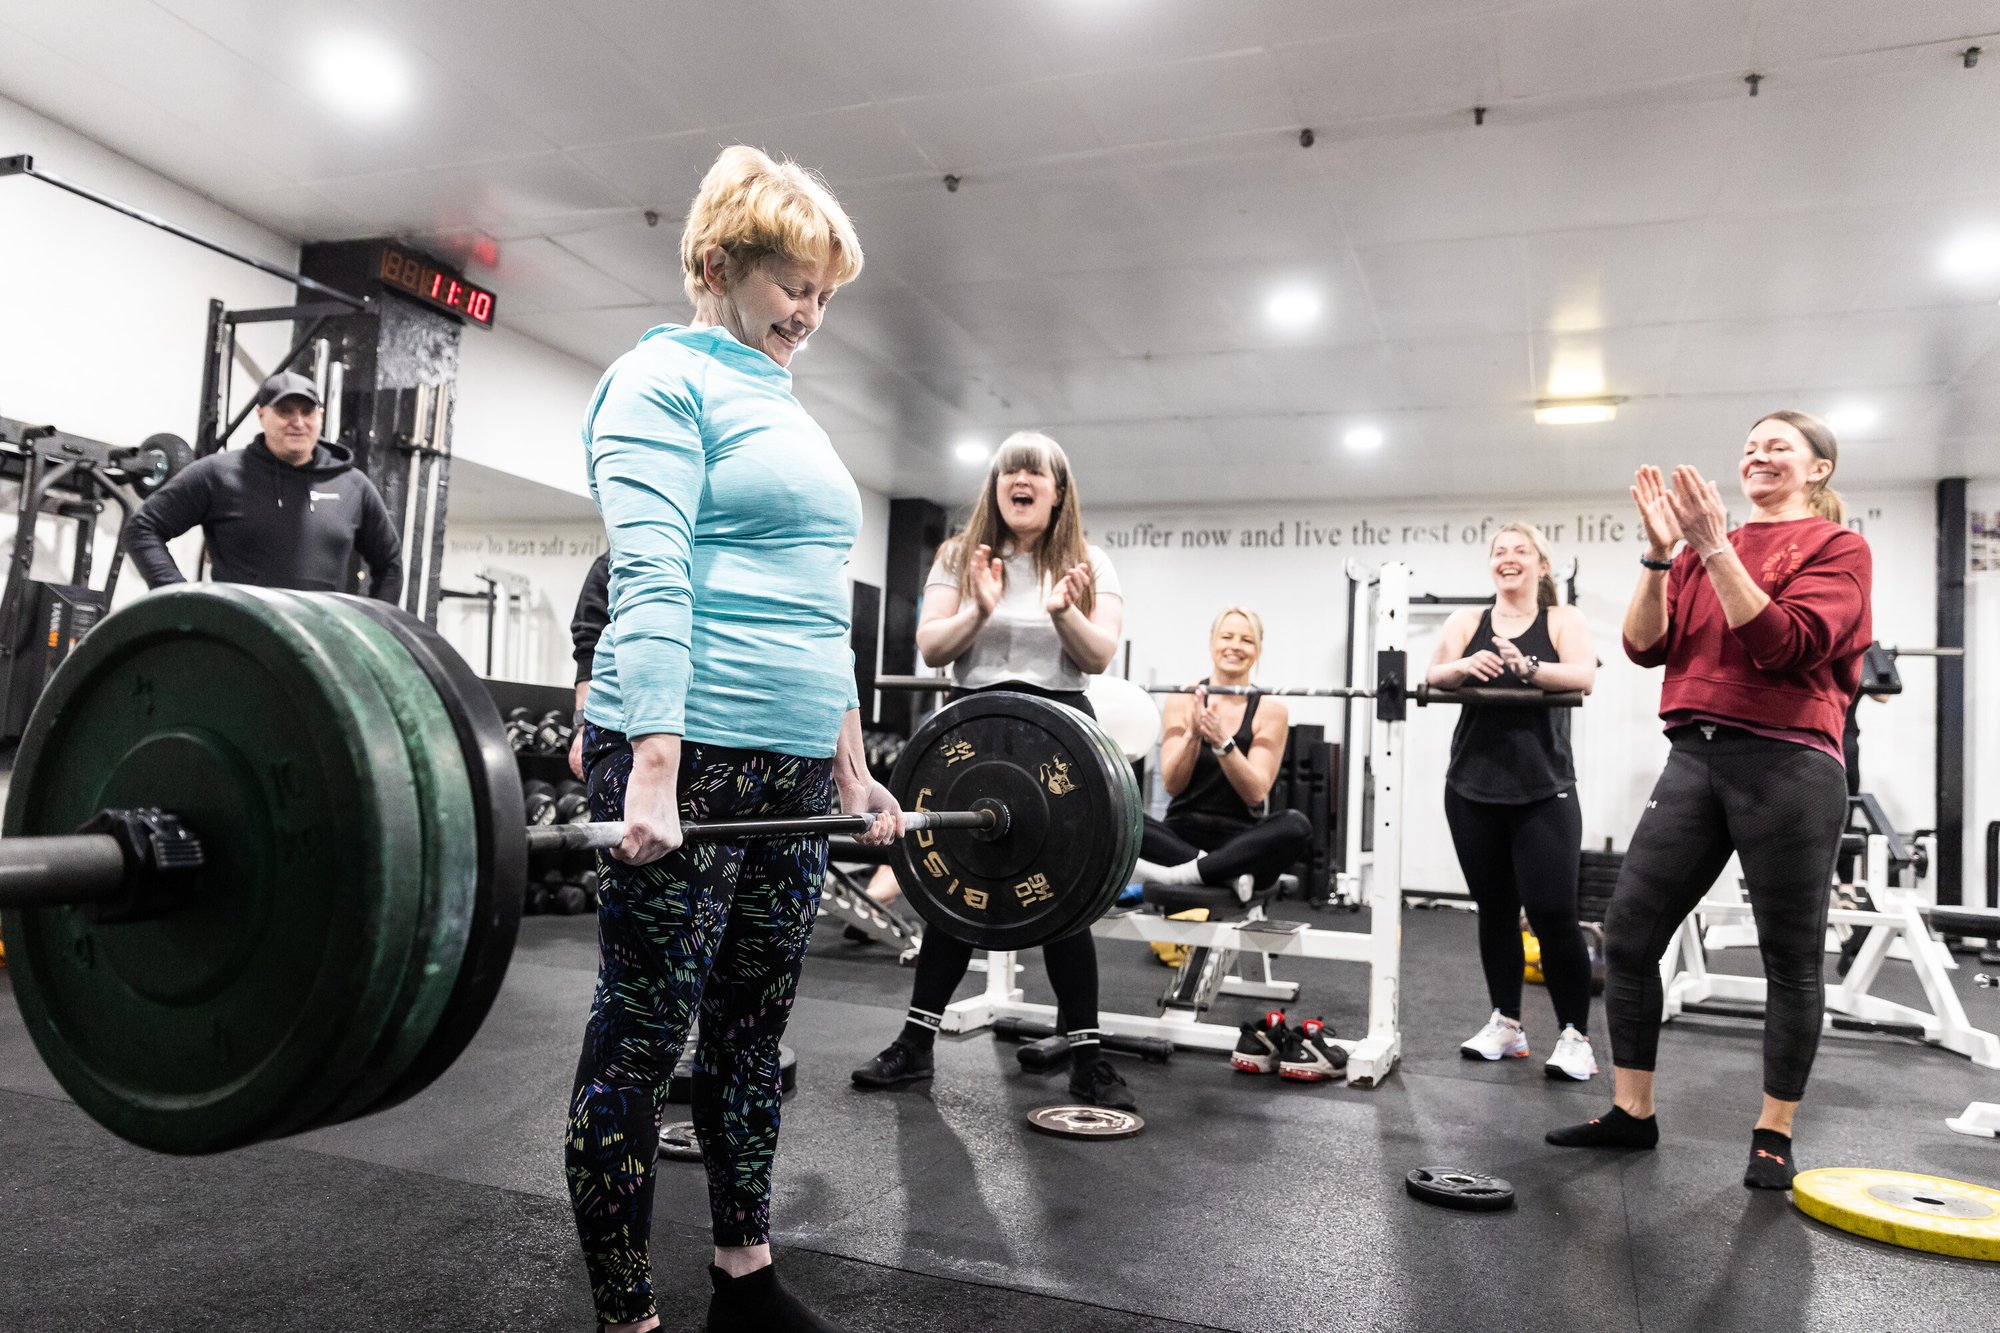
1511, 756
1208, 799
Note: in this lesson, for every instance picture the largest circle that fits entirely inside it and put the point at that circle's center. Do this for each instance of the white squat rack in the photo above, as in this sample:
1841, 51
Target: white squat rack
1370, 1058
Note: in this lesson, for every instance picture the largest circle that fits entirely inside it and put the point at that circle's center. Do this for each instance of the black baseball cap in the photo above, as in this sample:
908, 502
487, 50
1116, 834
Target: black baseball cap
287, 384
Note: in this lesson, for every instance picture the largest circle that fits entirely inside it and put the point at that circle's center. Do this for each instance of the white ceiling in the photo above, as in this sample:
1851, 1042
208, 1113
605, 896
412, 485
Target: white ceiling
1628, 220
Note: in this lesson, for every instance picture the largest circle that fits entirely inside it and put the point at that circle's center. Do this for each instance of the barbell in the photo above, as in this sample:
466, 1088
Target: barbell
264, 857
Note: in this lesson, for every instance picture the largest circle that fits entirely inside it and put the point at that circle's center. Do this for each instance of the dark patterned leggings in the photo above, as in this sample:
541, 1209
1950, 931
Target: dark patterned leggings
719, 927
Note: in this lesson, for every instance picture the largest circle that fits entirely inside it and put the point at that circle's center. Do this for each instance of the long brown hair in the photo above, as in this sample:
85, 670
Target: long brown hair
1821, 498
1062, 547
1545, 586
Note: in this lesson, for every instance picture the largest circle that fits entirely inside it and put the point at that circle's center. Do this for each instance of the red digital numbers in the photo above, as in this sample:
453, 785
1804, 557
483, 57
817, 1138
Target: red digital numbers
428, 283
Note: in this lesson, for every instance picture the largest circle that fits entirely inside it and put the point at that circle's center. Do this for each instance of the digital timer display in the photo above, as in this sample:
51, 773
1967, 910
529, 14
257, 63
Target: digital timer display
413, 275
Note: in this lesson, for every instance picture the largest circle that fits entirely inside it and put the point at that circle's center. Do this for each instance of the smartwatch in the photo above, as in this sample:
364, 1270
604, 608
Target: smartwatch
1225, 748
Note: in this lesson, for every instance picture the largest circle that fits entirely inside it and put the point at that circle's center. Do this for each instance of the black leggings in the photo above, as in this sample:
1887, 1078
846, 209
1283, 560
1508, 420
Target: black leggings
1072, 962
1779, 807
1264, 850
1526, 857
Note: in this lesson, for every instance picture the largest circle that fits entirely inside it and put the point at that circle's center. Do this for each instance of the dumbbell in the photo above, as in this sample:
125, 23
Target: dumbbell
520, 729
551, 734
572, 806
538, 800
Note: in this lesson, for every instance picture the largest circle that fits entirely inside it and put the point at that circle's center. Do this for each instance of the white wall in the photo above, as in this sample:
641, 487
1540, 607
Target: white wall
554, 557
1286, 561
520, 407
102, 318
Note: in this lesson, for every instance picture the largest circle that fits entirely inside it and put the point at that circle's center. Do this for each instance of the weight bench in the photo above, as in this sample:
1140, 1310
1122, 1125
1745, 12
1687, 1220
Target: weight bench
1207, 969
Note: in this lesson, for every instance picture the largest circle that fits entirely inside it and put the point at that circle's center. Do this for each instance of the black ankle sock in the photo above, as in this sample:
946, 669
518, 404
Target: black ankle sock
1771, 1165
1613, 1130
919, 1034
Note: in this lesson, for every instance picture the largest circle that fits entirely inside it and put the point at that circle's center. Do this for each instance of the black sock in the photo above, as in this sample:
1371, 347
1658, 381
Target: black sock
1614, 1130
1771, 1164
920, 1030
1084, 1048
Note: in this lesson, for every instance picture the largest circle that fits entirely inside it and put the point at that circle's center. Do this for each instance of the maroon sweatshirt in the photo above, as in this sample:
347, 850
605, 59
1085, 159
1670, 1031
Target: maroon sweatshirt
1796, 665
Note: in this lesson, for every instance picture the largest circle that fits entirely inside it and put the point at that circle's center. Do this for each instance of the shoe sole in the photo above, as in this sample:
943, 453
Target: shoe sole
1467, 1053
1251, 1064
861, 1082
1558, 1072
1308, 1074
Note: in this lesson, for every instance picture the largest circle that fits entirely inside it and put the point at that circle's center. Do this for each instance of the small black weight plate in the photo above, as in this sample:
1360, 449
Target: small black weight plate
503, 847
1467, 1191
159, 461
243, 1015
444, 881
1085, 1122
1045, 877
678, 1143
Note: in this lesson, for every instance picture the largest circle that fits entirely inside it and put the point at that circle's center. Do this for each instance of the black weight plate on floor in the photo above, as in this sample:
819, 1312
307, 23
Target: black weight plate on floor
1044, 878
678, 1143
444, 881
1467, 1191
1086, 1122
503, 847
242, 1015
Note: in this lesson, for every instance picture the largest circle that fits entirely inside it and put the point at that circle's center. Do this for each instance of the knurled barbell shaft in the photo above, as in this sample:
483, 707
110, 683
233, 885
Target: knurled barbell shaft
1483, 695
91, 867
603, 837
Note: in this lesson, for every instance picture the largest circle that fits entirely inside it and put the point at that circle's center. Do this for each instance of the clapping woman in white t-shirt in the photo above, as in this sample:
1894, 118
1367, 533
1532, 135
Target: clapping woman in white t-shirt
1018, 602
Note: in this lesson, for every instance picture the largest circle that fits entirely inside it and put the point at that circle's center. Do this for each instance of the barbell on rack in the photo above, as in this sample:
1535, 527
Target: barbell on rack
264, 857
1390, 689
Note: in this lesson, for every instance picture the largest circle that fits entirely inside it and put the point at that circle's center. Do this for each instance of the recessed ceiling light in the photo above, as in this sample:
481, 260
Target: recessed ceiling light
1972, 256
1292, 308
1853, 418
1576, 411
1362, 439
970, 451
361, 76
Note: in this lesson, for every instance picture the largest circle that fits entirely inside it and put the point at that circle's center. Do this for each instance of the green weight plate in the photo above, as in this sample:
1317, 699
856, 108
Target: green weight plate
444, 881
243, 1015
1043, 878
503, 851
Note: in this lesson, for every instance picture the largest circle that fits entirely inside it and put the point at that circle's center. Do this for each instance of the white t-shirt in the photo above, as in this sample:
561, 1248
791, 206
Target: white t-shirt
1018, 642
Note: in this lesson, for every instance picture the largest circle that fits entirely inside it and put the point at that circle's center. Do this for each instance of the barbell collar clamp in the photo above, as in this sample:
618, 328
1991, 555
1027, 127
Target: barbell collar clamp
122, 865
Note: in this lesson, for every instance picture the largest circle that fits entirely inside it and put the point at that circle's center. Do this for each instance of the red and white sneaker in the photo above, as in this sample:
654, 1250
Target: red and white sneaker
1309, 1054
1258, 1049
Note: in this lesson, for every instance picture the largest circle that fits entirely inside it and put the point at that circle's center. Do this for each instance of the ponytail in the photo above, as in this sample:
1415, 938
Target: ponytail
1826, 502
1545, 590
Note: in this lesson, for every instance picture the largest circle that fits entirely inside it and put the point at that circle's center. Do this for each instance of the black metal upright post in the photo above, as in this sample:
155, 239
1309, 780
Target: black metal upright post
1951, 691
916, 529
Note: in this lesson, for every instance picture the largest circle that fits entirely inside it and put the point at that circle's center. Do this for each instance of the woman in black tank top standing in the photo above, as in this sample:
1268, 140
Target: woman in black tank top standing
1218, 759
1510, 796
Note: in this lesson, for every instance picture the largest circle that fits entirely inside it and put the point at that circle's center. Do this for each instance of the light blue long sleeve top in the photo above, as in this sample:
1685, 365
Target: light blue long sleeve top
731, 520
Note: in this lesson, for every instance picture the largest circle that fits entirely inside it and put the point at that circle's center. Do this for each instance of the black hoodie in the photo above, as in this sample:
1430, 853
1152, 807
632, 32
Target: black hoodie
272, 524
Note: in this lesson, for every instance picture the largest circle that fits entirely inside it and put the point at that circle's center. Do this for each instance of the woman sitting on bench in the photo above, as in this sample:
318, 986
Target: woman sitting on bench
1218, 759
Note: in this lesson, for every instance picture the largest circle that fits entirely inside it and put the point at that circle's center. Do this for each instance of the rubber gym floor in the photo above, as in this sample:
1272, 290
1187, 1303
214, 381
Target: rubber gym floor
1247, 1204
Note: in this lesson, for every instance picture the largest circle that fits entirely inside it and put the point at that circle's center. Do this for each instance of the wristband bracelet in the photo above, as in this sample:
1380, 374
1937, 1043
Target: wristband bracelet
1656, 564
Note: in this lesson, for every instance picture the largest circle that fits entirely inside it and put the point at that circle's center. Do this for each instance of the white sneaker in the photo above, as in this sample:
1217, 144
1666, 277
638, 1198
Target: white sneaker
1573, 1057
1500, 1039
1246, 887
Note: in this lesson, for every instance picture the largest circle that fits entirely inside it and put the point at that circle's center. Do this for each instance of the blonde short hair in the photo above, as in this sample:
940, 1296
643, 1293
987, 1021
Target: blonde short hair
1251, 618
753, 207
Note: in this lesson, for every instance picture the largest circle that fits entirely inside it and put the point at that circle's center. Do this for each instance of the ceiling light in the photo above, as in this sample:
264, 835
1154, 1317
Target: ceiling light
1362, 439
1292, 308
1972, 256
970, 451
1852, 419
1576, 411
360, 76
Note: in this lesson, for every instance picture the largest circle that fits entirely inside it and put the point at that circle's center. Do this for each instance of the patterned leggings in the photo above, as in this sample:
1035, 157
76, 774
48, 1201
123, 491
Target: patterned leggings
719, 927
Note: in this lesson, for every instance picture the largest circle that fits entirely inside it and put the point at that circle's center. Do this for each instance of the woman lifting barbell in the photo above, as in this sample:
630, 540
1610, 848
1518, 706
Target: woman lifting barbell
1510, 795
1219, 757
1019, 602
723, 687
1762, 632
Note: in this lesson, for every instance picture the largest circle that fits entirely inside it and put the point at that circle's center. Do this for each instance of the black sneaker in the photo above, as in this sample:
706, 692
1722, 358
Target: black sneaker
1257, 1050
897, 1065
1309, 1055
1098, 1084
759, 1301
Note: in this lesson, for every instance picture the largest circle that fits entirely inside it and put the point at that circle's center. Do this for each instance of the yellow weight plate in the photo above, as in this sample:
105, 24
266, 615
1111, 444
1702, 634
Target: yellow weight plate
1903, 1208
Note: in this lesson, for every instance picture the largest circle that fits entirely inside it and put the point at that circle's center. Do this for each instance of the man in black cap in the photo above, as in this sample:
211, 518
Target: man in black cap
284, 512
